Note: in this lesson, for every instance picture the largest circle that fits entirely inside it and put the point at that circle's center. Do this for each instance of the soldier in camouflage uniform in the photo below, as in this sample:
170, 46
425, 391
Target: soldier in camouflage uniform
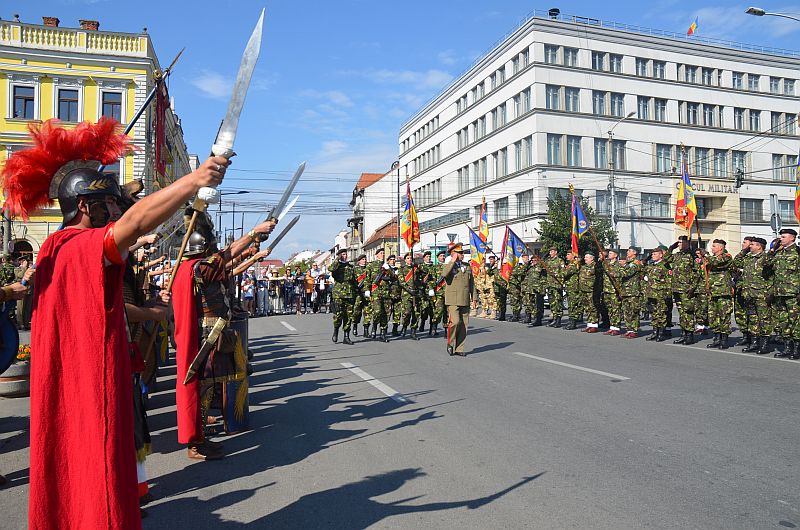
784, 260
631, 290
408, 279
720, 293
499, 288
575, 302
427, 282
533, 288
485, 285
344, 293
589, 286
658, 291
7, 273
515, 288
685, 283
701, 321
612, 292
555, 287
394, 303
753, 296
439, 313
378, 275
361, 304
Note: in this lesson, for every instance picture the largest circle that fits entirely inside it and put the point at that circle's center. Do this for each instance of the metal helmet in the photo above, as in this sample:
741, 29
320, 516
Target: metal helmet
83, 182
197, 244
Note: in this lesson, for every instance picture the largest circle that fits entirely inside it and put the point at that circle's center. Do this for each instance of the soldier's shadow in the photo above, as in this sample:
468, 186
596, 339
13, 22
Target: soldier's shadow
489, 347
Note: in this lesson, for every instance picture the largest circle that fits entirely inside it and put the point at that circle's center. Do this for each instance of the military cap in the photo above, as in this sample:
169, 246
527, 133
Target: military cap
342, 251
790, 231
392, 256
614, 250
407, 254
378, 251
455, 247
441, 253
660, 248
721, 242
426, 253
750, 238
362, 256
552, 248
590, 253
760, 240
683, 238
492, 256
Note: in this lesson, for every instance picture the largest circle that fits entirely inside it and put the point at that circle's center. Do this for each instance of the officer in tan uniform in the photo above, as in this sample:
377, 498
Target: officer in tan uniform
458, 288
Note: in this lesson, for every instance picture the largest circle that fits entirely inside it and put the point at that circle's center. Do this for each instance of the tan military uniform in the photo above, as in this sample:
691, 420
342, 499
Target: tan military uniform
458, 287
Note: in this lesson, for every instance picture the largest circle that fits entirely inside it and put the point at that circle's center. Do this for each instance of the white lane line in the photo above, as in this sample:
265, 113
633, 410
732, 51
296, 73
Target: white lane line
288, 326
383, 387
767, 356
576, 367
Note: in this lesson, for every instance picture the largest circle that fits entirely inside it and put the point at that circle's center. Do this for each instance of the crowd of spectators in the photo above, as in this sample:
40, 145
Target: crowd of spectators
269, 292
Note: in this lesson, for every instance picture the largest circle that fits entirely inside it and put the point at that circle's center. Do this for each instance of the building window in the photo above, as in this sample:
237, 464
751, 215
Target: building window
615, 63
641, 67
554, 149
739, 160
524, 57
751, 210
708, 76
501, 75
112, 105
603, 202
574, 151
720, 163
659, 70
463, 179
617, 105
515, 65
518, 155
552, 97
690, 73
501, 209
502, 114
517, 106
598, 61
701, 156
777, 167
526, 100
663, 158
572, 99
790, 171
738, 119
501, 163
691, 113
527, 151
661, 110
551, 54
570, 56
655, 205
755, 120
24, 102
601, 153
775, 122
737, 80
564, 193
786, 210
788, 87
67, 104
752, 82
643, 107
791, 124
774, 85
618, 149
598, 102
708, 115
525, 203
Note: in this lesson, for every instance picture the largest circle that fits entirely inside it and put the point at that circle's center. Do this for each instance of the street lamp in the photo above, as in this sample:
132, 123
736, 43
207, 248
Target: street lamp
757, 11
233, 212
612, 183
435, 246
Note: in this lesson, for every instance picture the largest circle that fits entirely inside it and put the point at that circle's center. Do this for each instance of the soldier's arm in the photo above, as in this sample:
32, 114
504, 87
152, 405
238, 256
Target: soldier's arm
335, 265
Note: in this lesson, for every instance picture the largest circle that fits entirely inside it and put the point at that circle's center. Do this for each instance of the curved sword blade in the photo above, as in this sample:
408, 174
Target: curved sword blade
227, 131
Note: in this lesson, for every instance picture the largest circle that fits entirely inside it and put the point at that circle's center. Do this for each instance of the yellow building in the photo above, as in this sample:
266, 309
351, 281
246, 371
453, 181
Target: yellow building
79, 74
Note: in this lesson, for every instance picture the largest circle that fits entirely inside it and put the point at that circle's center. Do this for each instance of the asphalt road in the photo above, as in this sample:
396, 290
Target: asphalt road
621, 434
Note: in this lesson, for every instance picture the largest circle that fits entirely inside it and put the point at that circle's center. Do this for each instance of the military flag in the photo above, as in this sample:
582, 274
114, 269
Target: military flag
513, 249
477, 250
483, 224
409, 223
686, 207
579, 223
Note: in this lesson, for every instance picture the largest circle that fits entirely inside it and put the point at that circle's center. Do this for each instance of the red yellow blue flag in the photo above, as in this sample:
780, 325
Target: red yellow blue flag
483, 224
409, 223
477, 250
579, 223
797, 191
513, 249
686, 206
692, 28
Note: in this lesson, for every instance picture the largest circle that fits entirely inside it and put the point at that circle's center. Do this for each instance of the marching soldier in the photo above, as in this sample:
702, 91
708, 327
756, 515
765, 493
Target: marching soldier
631, 287
344, 293
701, 320
784, 259
555, 287
393, 309
575, 301
458, 278
485, 286
515, 287
720, 293
407, 281
361, 304
685, 282
612, 272
378, 273
588, 283
533, 288
753, 296
500, 289
439, 313
425, 286
658, 291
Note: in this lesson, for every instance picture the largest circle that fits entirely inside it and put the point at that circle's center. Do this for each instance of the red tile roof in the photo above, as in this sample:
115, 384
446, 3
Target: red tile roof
368, 179
387, 231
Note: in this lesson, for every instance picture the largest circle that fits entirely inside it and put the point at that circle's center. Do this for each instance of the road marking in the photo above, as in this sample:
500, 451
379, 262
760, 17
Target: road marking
767, 356
288, 326
383, 387
576, 367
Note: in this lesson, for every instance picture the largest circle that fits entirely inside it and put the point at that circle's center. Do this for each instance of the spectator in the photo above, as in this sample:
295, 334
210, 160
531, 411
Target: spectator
248, 295
298, 291
310, 297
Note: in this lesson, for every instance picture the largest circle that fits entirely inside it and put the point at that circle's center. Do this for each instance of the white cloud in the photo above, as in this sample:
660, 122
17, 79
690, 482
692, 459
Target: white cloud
333, 96
368, 158
212, 84
447, 57
428, 79
332, 148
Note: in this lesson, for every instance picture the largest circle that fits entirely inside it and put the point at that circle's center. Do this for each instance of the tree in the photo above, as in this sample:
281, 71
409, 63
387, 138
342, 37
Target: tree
556, 229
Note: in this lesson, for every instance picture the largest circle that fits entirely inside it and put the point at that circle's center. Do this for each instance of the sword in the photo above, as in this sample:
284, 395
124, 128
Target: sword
223, 144
283, 232
205, 349
286, 194
288, 208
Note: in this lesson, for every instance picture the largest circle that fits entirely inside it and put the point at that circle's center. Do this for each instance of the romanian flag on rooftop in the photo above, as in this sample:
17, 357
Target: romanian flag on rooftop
686, 207
692, 28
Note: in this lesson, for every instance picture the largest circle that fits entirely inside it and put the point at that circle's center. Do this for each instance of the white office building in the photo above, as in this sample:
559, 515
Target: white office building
534, 115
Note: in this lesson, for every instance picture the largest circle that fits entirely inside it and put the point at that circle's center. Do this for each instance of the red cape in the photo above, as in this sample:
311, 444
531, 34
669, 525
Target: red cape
83, 461
187, 397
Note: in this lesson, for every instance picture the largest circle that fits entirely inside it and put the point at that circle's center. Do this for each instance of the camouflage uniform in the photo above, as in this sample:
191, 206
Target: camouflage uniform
533, 288
575, 301
588, 285
379, 295
611, 274
426, 281
439, 313
720, 307
407, 282
361, 303
500, 289
753, 289
658, 290
344, 293
485, 288
785, 265
631, 288
7, 273
555, 286
515, 289
685, 283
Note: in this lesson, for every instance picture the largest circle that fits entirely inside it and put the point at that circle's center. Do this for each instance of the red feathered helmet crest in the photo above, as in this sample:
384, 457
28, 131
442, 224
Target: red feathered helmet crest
62, 164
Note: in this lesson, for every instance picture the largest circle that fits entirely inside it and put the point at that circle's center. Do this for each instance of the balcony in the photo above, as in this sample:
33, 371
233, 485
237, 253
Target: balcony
32, 36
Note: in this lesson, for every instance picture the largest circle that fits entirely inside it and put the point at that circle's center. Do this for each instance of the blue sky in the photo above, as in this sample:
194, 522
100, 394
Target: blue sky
337, 78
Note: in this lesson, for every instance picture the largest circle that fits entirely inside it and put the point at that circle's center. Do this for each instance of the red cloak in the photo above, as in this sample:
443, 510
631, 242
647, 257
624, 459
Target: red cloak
187, 397
83, 461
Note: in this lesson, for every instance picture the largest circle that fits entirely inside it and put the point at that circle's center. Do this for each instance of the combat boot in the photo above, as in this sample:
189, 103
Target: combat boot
355, 330
654, 335
572, 324
374, 333
723, 341
763, 346
414, 333
421, 326
515, 317
689, 338
346, 339
434, 330
404, 331
366, 331
335, 337
382, 337
681, 339
753, 347
788, 349
746, 340
663, 335
537, 322
395, 333
502, 316
528, 319
795, 351
715, 343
